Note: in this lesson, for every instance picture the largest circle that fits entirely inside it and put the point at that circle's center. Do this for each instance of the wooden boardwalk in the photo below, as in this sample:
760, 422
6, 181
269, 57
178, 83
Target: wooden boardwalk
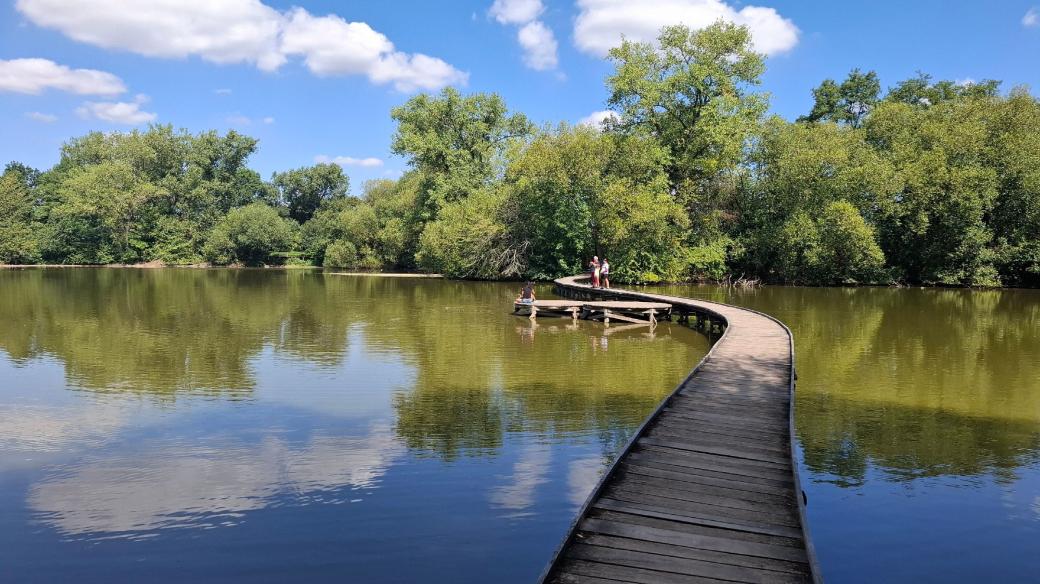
707, 490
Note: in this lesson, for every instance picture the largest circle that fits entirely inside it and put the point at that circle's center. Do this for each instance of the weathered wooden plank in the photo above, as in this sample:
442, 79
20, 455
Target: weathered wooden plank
731, 419
766, 447
692, 483
692, 553
704, 477
712, 461
765, 414
627, 574
695, 467
788, 559
649, 509
649, 561
728, 467
735, 452
568, 578
694, 510
697, 529
705, 506
679, 423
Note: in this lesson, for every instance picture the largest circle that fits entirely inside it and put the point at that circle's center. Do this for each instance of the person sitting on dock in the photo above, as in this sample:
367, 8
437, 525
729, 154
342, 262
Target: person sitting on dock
604, 273
526, 294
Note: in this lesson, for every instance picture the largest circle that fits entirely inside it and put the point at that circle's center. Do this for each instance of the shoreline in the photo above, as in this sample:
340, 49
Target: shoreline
159, 265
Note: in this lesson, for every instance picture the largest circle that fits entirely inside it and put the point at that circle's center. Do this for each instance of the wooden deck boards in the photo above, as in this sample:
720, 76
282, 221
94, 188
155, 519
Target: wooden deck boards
707, 491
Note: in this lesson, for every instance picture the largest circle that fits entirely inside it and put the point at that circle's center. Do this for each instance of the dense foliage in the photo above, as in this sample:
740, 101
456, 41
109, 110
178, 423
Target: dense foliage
929, 182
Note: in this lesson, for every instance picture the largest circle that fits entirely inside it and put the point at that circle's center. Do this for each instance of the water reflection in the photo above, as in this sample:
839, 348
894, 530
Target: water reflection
182, 485
203, 399
48, 429
582, 477
529, 472
208, 401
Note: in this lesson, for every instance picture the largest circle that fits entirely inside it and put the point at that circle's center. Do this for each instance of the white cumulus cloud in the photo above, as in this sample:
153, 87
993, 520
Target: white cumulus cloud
537, 40
601, 24
539, 46
242, 31
369, 162
33, 76
1031, 18
516, 11
596, 119
42, 117
119, 112
228, 31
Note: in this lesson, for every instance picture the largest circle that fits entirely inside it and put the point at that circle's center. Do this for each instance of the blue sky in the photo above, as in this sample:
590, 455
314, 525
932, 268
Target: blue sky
318, 78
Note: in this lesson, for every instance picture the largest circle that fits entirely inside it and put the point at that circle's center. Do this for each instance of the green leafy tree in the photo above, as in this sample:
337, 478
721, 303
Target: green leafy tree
375, 225
1013, 136
472, 239
152, 194
694, 93
937, 230
304, 190
341, 254
847, 103
921, 91
18, 243
578, 192
455, 143
250, 235
837, 248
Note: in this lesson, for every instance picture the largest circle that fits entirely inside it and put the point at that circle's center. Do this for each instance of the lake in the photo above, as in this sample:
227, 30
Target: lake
224, 425
228, 425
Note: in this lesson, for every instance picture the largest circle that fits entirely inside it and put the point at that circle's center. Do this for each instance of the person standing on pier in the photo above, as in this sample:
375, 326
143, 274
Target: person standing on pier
594, 270
604, 273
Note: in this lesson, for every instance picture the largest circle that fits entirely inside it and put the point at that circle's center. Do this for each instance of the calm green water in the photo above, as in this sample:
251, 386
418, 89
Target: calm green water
190, 425
277, 426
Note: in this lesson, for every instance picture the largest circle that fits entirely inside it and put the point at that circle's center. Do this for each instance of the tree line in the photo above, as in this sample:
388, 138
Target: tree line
929, 182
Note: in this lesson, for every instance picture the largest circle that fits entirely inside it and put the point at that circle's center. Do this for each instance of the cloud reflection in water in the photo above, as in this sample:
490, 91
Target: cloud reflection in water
206, 486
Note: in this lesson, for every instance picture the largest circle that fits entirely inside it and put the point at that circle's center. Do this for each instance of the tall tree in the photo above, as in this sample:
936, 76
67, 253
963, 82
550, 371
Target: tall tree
848, 103
694, 92
455, 142
579, 192
18, 243
304, 190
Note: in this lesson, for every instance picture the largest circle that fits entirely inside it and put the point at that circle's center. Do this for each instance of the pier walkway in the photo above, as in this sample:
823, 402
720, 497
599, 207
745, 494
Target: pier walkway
707, 490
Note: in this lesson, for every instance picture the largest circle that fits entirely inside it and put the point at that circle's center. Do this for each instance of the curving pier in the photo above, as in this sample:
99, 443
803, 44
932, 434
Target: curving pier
707, 490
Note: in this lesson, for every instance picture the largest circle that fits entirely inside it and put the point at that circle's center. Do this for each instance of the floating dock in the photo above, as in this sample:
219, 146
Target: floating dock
707, 489
634, 312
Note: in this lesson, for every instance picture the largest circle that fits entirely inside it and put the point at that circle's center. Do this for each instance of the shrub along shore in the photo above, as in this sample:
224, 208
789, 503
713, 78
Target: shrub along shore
687, 179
